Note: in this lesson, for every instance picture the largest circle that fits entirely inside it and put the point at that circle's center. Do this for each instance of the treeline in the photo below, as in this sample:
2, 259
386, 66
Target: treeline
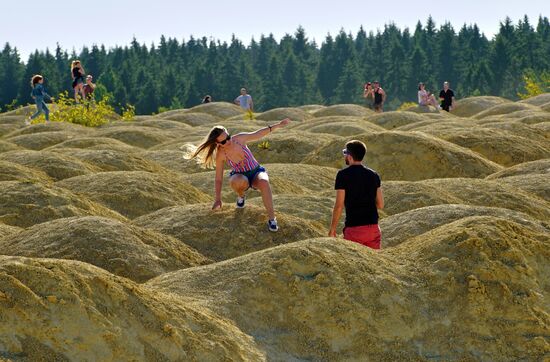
295, 70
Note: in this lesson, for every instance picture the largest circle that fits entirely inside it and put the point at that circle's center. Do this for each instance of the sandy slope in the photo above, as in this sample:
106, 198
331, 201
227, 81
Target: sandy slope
109, 249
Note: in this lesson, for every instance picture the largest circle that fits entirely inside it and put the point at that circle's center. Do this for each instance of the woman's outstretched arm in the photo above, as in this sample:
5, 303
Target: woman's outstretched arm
262, 132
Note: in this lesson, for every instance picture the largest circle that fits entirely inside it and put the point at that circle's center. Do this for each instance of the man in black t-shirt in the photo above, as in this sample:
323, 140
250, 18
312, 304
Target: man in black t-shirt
447, 97
358, 189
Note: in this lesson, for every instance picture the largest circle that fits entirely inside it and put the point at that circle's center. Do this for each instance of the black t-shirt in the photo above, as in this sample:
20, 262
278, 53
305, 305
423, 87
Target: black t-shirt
360, 184
447, 97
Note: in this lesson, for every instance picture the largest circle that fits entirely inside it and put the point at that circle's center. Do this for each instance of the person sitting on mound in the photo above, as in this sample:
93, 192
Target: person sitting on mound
220, 147
358, 189
425, 98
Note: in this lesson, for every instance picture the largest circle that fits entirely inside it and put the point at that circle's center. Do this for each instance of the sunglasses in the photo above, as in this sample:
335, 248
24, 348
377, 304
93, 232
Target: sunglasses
225, 140
345, 152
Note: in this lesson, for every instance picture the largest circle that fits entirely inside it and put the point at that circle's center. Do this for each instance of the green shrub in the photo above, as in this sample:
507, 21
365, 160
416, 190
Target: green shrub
406, 105
535, 84
88, 113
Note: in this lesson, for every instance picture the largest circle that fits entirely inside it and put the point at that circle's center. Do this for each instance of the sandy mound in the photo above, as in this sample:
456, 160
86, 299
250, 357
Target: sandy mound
503, 147
534, 184
311, 107
14, 172
134, 193
142, 137
292, 178
7, 146
527, 168
468, 107
228, 233
506, 108
163, 124
389, 120
125, 250
55, 165
409, 156
535, 117
67, 310
544, 128
173, 160
218, 109
65, 127
422, 109
537, 100
315, 208
6, 129
193, 119
338, 125
40, 140
25, 204
404, 196
468, 295
7, 230
517, 128
277, 114
352, 110
438, 127
96, 143
290, 147
6, 119
397, 229
111, 160
297, 179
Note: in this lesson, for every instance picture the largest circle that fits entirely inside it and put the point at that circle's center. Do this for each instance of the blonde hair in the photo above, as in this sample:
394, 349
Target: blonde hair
35, 79
74, 63
207, 150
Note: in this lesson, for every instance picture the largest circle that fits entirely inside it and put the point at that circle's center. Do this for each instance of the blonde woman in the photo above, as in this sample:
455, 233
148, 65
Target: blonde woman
220, 147
77, 74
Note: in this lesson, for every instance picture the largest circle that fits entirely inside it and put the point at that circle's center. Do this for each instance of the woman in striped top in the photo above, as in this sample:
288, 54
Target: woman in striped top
220, 148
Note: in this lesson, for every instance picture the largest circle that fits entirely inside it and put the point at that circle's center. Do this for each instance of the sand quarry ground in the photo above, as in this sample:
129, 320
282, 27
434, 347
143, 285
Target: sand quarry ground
109, 250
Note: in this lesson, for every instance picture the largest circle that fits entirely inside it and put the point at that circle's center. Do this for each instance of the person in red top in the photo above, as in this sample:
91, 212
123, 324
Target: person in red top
88, 89
358, 189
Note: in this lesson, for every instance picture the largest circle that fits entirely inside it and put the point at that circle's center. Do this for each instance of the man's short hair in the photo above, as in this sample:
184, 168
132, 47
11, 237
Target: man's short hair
445, 83
356, 149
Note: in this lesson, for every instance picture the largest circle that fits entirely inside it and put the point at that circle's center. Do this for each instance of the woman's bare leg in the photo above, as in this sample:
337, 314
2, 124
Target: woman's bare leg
239, 184
261, 182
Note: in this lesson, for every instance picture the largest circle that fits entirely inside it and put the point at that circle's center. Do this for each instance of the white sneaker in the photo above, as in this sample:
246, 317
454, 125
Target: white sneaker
272, 225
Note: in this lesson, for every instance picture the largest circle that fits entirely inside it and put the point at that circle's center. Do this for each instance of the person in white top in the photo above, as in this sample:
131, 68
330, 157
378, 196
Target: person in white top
245, 101
425, 98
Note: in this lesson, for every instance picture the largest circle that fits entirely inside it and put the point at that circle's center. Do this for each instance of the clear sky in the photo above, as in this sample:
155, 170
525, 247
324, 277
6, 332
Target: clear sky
37, 24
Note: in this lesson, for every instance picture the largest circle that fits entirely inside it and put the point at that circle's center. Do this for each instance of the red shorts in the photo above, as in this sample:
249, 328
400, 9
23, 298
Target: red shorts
368, 235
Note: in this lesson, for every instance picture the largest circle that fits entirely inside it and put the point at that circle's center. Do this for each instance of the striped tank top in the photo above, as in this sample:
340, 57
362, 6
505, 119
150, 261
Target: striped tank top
248, 163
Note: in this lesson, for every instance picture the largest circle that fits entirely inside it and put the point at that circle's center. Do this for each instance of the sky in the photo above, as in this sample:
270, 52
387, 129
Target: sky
37, 24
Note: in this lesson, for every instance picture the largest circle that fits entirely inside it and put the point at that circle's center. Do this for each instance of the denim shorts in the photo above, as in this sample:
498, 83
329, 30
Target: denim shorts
250, 175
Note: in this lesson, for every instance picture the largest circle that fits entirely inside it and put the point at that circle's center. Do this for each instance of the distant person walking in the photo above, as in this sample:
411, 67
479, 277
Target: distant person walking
368, 94
77, 74
207, 99
38, 93
447, 97
245, 101
220, 147
426, 98
358, 189
88, 89
379, 97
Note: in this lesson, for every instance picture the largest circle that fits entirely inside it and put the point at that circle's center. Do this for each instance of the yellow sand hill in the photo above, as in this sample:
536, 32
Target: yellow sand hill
109, 249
